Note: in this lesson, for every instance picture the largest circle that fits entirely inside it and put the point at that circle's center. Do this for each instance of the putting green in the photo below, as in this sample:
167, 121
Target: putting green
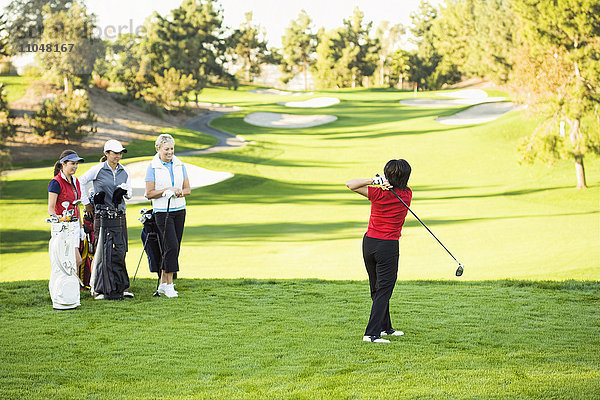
287, 214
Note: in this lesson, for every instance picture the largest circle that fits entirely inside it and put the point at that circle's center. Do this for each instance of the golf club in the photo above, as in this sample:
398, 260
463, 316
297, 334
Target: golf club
459, 270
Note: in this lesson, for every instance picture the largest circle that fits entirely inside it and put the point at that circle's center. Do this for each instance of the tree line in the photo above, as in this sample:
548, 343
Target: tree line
547, 50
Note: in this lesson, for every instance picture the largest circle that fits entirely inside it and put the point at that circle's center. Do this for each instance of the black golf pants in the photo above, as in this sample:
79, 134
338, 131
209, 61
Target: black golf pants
381, 261
171, 237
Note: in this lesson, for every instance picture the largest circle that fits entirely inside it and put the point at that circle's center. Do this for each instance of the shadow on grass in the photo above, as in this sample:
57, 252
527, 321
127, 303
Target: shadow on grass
15, 191
23, 240
272, 231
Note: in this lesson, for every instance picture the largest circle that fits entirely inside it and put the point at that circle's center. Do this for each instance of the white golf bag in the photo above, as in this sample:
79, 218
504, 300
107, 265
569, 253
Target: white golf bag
64, 282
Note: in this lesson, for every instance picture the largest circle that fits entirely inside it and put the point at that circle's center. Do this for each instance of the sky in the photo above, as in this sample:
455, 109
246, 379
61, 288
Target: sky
273, 15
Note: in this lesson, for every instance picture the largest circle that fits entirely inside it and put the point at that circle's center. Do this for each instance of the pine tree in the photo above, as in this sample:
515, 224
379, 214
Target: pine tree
299, 45
249, 45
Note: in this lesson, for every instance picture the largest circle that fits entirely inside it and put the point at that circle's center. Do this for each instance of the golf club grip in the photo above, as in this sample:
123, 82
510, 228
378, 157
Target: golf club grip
419, 219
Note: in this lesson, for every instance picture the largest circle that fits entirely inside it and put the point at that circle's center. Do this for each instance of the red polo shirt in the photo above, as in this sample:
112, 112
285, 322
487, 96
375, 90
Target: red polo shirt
387, 212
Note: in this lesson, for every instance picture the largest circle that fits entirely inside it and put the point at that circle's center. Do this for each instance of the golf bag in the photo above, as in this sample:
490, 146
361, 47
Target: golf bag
87, 253
151, 239
64, 283
109, 276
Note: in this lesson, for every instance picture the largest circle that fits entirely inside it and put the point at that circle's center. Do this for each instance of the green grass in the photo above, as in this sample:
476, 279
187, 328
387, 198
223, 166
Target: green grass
287, 213
301, 339
15, 86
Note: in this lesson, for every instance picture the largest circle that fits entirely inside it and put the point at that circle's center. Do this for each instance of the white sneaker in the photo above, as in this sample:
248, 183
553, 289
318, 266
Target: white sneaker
170, 291
99, 296
392, 332
128, 294
162, 288
375, 339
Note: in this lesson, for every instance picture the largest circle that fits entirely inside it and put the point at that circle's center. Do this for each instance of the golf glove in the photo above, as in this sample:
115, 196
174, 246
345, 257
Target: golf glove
123, 186
378, 180
168, 193
82, 234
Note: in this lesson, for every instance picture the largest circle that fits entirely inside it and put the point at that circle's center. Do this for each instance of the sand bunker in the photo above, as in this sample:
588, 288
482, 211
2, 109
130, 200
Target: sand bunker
466, 94
277, 92
198, 177
461, 98
316, 102
277, 120
478, 114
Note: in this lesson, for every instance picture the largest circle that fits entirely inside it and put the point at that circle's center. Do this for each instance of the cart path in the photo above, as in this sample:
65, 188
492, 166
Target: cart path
198, 176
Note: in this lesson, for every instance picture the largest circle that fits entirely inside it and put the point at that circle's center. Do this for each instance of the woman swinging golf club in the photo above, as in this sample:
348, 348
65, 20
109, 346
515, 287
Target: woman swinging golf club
380, 243
167, 184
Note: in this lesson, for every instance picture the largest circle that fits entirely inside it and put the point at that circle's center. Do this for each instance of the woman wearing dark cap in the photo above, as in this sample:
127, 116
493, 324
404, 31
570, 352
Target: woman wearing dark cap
65, 188
380, 243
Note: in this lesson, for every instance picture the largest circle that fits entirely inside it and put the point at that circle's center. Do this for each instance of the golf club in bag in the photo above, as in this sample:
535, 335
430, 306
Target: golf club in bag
64, 283
459, 270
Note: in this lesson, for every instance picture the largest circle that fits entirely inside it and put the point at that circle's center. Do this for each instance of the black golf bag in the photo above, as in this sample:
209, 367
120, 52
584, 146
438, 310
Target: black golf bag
109, 276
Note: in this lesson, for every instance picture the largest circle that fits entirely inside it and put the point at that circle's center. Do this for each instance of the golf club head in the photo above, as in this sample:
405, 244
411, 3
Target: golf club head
459, 270
156, 294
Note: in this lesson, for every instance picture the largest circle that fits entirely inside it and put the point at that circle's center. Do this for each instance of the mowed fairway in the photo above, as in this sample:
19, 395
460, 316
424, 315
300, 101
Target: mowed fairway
301, 339
287, 213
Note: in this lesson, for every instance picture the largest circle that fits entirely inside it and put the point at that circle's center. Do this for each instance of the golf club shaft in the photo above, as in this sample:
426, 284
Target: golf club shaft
141, 255
429, 230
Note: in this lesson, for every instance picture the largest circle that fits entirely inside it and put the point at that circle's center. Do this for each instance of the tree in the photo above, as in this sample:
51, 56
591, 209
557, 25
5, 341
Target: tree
124, 63
558, 64
65, 117
345, 56
390, 38
7, 129
4, 37
426, 58
26, 20
70, 31
189, 40
172, 89
398, 67
475, 38
249, 45
327, 70
299, 45
360, 54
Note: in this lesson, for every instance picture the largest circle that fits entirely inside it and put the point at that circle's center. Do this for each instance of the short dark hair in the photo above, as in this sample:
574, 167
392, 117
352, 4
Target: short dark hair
397, 173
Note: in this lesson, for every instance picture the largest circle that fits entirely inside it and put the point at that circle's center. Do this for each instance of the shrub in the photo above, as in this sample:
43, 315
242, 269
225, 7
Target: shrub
65, 117
100, 82
172, 90
7, 129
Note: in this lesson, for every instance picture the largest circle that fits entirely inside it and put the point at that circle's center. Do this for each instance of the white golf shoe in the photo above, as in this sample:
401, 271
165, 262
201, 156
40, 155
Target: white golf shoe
392, 332
375, 339
162, 287
170, 291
